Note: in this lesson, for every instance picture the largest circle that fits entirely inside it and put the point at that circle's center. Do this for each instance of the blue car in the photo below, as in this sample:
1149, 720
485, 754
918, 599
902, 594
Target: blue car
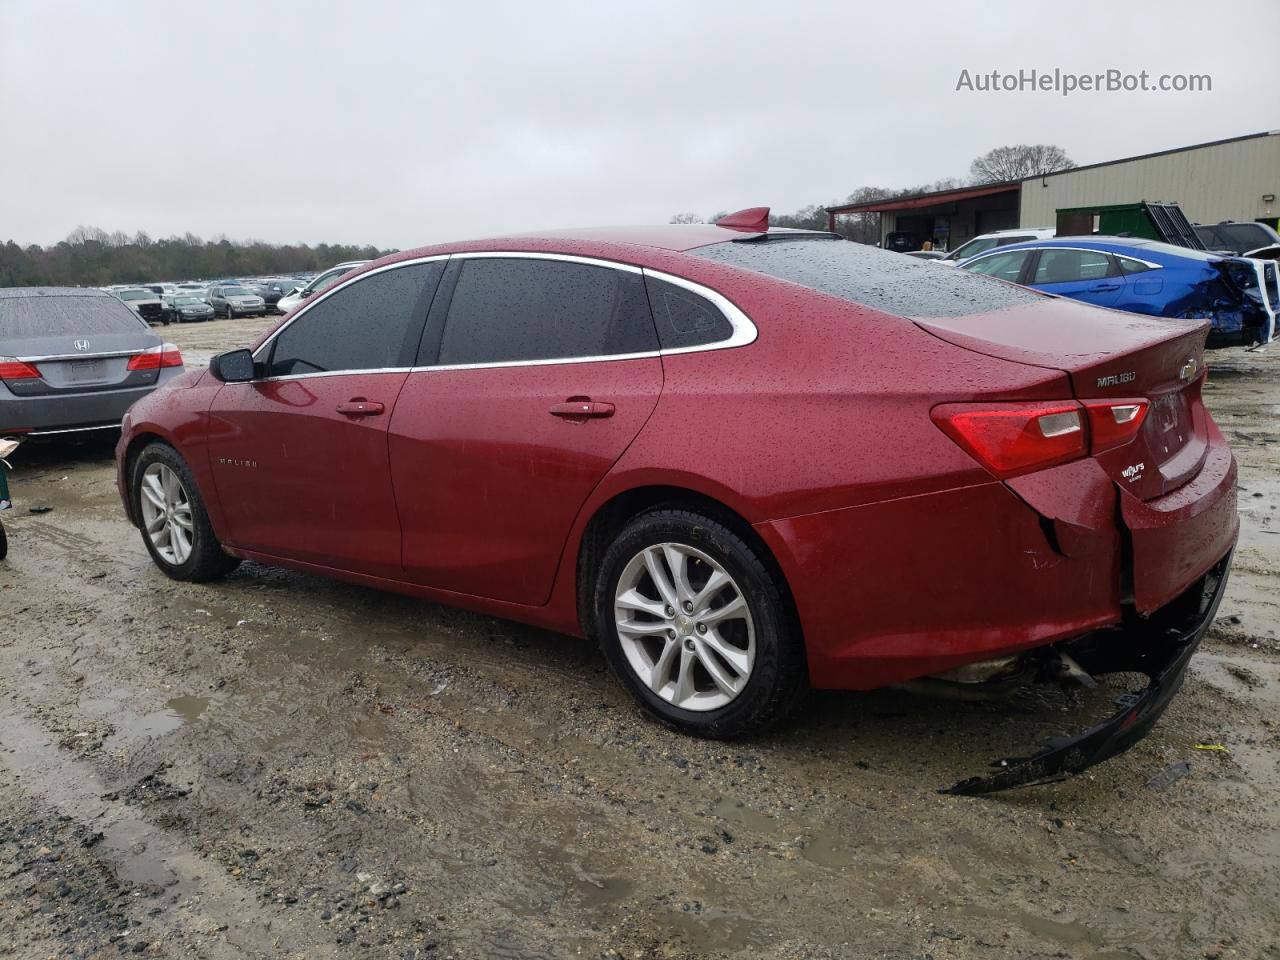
1237, 295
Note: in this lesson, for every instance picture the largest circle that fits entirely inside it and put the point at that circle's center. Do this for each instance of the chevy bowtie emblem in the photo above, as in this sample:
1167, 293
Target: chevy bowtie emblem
82, 345
1189, 370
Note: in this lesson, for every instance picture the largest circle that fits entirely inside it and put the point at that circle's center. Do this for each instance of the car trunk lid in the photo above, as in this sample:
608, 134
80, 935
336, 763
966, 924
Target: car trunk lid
1111, 356
70, 364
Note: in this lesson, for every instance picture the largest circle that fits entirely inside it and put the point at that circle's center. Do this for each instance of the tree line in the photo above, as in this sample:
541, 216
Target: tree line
995, 166
91, 257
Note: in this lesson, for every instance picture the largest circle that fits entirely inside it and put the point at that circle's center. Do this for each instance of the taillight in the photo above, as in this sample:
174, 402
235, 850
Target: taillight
1113, 423
12, 368
165, 355
1014, 438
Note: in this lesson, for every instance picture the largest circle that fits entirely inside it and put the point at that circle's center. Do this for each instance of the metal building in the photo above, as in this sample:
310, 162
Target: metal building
1233, 179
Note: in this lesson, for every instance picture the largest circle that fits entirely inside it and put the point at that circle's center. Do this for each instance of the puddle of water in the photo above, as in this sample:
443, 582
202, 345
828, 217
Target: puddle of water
735, 811
130, 727
188, 709
829, 849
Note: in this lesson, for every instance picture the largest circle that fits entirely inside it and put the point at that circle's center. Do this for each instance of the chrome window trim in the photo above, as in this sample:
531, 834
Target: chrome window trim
744, 330
539, 255
326, 373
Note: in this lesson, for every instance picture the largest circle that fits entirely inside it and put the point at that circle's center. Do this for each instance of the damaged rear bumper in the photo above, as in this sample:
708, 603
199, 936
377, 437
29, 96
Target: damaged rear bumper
1159, 647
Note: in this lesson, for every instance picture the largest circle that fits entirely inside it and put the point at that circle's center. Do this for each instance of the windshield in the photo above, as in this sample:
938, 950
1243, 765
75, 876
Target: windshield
868, 275
41, 316
236, 292
187, 301
136, 295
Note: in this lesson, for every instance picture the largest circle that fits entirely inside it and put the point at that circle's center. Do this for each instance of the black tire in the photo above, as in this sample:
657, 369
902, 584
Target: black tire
779, 675
207, 560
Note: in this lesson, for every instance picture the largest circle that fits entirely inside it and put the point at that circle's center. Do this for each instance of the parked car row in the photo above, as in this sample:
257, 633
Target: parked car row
192, 301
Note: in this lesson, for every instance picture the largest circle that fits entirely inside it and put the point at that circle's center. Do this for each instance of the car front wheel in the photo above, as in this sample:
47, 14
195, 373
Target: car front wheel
172, 517
695, 626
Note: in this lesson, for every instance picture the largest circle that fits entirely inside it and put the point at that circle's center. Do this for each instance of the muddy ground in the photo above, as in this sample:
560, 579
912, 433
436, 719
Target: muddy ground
278, 765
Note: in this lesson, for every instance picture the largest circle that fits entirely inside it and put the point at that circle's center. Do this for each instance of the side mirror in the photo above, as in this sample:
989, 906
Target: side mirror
305, 293
234, 366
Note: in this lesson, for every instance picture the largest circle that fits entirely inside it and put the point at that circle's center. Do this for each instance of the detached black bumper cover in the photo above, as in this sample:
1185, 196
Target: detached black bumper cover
1161, 648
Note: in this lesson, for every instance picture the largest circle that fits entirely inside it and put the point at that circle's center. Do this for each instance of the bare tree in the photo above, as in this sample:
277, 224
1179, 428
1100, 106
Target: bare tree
1019, 162
686, 218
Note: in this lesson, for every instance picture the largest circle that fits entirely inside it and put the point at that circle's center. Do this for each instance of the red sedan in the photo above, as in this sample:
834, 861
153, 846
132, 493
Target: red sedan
747, 460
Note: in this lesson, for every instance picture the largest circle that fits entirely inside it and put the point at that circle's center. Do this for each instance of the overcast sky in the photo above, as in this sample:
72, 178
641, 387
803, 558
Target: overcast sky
400, 124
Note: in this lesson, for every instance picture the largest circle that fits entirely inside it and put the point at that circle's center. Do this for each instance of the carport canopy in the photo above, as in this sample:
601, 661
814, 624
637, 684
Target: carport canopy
921, 200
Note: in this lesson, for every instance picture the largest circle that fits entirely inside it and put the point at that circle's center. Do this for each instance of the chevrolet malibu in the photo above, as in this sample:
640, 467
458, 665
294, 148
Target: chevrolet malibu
748, 461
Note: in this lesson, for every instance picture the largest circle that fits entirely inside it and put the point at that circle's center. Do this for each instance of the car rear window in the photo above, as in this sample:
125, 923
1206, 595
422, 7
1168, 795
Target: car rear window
43, 315
878, 278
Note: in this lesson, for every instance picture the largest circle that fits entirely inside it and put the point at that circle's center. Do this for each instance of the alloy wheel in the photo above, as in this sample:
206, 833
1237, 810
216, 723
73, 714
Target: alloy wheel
684, 626
166, 513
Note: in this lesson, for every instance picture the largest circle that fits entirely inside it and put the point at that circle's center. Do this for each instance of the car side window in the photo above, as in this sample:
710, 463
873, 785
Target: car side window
1006, 241
972, 248
327, 280
513, 309
1006, 266
683, 318
1128, 265
1066, 266
375, 323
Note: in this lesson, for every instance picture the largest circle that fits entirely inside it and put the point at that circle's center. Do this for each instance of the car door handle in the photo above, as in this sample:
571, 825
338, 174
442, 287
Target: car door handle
1099, 288
581, 409
360, 407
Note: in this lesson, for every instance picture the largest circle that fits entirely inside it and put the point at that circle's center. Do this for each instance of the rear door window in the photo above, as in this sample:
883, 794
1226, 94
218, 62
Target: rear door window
516, 309
1071, 266
373, 324
1006, 266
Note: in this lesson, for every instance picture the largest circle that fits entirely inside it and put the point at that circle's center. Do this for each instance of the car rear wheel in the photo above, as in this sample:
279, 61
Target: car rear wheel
172, 517
694, 625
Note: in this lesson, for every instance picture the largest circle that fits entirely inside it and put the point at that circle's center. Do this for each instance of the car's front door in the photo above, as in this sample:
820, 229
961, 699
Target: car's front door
300, 456
537, 373
1088, 275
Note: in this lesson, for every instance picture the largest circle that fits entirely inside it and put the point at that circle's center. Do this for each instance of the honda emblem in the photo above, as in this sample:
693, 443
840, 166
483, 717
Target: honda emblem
82, 345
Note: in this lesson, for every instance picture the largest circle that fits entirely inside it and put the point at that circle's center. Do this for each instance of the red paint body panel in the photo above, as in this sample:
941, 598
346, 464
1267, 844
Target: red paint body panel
490, 481
1173, 535
290, 469
935, 581
903, 554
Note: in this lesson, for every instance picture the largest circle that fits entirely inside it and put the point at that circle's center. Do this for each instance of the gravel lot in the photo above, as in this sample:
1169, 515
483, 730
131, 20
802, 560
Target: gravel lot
278, 765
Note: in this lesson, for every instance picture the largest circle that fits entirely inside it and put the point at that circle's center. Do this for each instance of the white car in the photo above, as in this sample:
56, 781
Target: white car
318, 284
996, 238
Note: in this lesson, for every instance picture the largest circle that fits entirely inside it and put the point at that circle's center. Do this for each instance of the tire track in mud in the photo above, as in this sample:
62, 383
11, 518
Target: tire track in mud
202, 906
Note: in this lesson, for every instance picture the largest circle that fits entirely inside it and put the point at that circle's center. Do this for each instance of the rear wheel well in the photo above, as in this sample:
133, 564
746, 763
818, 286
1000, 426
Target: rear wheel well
615, 514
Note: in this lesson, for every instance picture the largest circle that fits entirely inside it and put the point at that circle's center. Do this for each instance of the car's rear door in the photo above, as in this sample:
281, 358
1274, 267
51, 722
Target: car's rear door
1088, 275
299, 456
536, 374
